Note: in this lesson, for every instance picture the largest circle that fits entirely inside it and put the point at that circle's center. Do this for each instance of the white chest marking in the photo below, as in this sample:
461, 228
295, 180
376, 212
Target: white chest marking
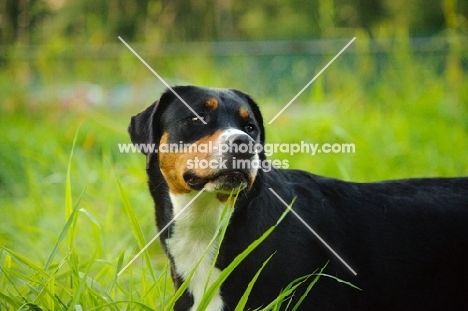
192, 232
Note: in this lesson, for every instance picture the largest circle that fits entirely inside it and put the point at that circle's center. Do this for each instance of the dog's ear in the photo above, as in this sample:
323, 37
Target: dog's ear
144, 127
141, 127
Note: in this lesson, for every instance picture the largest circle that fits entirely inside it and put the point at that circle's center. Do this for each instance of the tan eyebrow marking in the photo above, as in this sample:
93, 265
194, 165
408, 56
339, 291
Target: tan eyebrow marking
211, 103
244, 113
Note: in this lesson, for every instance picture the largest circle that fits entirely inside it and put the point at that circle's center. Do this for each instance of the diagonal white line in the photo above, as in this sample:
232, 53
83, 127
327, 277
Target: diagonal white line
312, 230
161, 79
160, 232
310, 82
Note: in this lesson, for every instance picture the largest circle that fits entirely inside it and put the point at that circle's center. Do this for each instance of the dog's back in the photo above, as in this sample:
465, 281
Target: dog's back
407, 240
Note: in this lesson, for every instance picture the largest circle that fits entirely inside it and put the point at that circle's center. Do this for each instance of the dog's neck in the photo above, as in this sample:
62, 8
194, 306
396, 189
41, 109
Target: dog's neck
191, 235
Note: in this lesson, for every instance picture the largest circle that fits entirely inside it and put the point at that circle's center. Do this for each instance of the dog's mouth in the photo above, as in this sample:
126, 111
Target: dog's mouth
224, 181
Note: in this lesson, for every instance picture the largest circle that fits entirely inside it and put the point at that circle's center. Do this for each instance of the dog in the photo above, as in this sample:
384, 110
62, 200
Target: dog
406, 240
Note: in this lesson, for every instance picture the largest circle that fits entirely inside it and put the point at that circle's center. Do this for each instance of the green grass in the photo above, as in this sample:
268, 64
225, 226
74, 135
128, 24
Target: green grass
70, 223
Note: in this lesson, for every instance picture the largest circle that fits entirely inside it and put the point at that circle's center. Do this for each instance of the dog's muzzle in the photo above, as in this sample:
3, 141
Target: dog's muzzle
236, 168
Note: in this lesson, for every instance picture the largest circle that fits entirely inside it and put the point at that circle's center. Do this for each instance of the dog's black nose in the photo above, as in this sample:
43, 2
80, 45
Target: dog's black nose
242, 146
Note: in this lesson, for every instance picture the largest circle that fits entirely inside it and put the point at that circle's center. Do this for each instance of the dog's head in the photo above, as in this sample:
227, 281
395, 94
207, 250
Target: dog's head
221, 156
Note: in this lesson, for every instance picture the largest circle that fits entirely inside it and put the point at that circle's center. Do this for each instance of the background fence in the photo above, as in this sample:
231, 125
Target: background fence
111, 76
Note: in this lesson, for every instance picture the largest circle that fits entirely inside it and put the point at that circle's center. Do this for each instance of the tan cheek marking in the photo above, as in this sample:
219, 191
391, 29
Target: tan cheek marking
211, 104
173, 165
244, 113
163, 138
206, 172
170, 165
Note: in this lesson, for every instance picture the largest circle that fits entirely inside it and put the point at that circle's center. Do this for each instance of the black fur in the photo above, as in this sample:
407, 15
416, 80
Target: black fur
406, 239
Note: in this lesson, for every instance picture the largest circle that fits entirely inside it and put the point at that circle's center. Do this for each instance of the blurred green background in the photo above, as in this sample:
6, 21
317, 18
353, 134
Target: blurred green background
399, 93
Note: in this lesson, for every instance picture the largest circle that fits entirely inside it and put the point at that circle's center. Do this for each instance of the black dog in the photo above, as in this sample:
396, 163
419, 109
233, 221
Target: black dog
407, 240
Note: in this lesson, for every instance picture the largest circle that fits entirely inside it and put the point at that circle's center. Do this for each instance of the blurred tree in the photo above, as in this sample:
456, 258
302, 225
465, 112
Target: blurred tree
359, 14
18, 17
98, 21
191, 20
84, 20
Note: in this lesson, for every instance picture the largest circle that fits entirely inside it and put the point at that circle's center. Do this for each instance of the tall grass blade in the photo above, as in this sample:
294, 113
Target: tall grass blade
135, 226
317, 277
212, 290
119, 266
224, 222
77, 295
44, 293
71, 219
340, 281
225, 215
184, 285
243, 301
68, 191
141, 306
10, 301
25, 261
286, 293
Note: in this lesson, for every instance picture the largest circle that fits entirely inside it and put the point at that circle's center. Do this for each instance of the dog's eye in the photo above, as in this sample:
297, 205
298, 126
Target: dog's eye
250, 128
196, 119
